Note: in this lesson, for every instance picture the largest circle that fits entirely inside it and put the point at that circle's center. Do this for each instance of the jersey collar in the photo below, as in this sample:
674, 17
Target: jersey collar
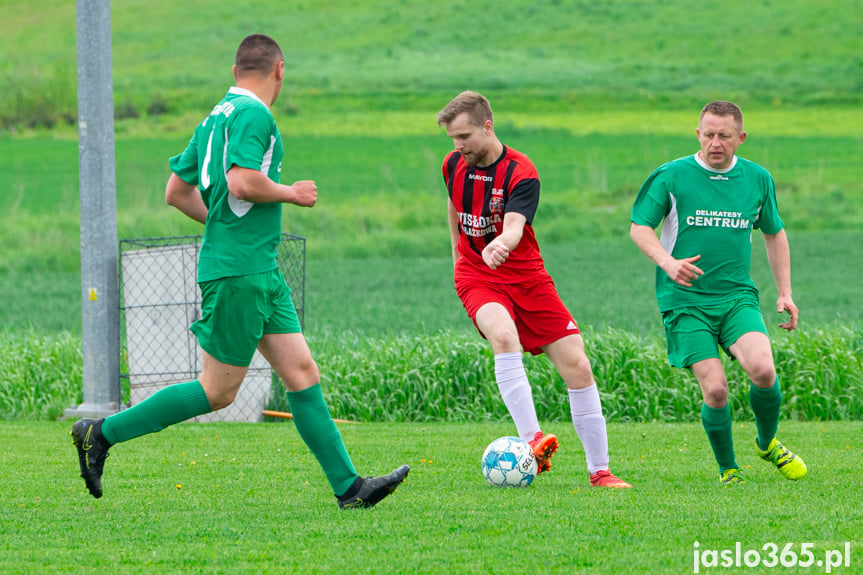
243, 92
704, 165
499, 158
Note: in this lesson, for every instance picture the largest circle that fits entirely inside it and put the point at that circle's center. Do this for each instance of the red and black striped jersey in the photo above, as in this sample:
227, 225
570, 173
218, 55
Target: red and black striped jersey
482, 196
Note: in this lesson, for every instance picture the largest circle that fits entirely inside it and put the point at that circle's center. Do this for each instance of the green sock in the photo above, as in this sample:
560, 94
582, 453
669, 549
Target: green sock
717, 424
167, 406
318, 430
765, 405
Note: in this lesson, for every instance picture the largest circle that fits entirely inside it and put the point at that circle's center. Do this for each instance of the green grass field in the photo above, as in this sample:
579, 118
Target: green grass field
598, 94
244, 498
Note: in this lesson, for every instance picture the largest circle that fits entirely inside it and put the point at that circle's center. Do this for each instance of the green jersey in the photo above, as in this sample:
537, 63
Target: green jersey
712, 213
240, 237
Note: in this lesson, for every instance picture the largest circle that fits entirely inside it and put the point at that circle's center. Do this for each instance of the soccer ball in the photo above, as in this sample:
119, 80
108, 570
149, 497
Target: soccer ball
509, 462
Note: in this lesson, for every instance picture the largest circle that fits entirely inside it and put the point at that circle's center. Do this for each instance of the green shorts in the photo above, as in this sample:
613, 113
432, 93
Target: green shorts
693, 334
237, 311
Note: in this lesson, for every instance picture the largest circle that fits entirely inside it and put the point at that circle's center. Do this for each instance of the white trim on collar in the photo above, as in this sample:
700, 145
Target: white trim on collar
244, 92
704, 165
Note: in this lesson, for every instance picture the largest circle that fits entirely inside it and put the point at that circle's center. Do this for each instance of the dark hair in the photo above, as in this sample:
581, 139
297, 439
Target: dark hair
723, 108
474, 103
257, 53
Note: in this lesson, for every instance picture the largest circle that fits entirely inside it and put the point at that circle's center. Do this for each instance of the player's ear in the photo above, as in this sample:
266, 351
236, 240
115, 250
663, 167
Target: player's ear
742, 137
280, 71
234, 70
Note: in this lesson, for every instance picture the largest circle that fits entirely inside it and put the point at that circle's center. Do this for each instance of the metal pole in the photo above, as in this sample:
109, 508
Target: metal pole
99, 281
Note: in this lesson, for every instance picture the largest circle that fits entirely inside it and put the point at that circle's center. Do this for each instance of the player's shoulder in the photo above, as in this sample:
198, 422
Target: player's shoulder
523, 162
515, 155
753, 167
246, 107
672, 168
451, 160
678, 164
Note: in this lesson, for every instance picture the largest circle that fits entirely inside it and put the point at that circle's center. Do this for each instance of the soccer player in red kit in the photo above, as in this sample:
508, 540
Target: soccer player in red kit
501, 280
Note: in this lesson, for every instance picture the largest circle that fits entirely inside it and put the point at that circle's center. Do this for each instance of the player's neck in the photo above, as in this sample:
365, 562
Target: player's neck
493, 155
262, 90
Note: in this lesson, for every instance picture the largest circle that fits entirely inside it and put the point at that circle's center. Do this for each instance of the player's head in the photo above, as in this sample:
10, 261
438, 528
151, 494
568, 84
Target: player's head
720, 132
469, 121
259, 57
473, 103
722, 108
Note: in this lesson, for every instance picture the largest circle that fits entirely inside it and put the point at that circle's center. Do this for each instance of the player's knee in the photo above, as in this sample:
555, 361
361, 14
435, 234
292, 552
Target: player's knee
716, 394
504, 339
302, 375
579, 366
311, 372
220, 399
582, 364
762, 373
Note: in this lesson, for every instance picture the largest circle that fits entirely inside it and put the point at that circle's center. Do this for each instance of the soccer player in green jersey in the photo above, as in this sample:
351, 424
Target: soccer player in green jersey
708, 204
228, 179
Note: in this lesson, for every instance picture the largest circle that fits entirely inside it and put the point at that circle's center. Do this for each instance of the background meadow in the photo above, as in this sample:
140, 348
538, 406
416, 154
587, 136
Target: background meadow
598, 94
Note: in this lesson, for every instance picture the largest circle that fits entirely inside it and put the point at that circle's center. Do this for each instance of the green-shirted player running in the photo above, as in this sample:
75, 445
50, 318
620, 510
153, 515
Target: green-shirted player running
228, 179
708, 204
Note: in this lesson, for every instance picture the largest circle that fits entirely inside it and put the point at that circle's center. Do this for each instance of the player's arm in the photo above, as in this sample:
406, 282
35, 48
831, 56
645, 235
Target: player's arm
496, 252
779, 258
683, 271
254, 186
186, 198
452, 216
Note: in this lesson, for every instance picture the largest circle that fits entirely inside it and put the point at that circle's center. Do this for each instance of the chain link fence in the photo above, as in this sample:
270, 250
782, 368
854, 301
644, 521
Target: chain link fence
160, 299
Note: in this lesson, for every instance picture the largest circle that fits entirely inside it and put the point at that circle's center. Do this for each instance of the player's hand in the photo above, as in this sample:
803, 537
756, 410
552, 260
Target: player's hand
305, 193
786, 304
683, 271
494, 254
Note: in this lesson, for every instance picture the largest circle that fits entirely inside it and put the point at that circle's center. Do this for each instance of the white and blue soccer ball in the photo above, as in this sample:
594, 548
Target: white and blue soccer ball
509, 462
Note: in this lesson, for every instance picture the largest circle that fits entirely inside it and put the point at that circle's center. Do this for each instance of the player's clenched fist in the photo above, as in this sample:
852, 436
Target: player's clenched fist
494, 254
305, 193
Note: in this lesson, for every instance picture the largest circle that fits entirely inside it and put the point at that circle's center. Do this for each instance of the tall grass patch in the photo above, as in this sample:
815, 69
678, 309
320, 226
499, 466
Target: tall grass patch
449, 376
823, 373
40, 375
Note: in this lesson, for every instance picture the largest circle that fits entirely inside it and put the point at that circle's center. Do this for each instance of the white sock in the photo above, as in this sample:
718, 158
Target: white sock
516, 392
586, 410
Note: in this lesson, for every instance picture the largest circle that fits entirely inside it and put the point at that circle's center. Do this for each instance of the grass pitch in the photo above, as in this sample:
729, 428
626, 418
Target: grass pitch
246, 498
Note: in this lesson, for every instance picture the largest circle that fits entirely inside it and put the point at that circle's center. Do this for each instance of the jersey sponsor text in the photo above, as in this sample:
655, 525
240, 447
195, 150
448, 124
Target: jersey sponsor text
478, 226
718, 219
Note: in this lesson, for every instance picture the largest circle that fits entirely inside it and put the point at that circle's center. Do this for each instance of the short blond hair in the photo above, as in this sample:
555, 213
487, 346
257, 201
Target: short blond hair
475, 104
723, 108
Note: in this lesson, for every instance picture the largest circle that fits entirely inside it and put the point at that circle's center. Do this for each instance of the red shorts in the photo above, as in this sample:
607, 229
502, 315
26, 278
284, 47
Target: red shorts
539, 315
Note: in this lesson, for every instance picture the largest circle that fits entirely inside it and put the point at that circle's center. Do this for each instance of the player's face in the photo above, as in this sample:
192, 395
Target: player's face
719, 137
471, 141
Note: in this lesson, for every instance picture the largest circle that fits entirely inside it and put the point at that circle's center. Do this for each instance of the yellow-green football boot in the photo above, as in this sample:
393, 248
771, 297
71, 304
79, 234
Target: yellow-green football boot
731, 477
788, 464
